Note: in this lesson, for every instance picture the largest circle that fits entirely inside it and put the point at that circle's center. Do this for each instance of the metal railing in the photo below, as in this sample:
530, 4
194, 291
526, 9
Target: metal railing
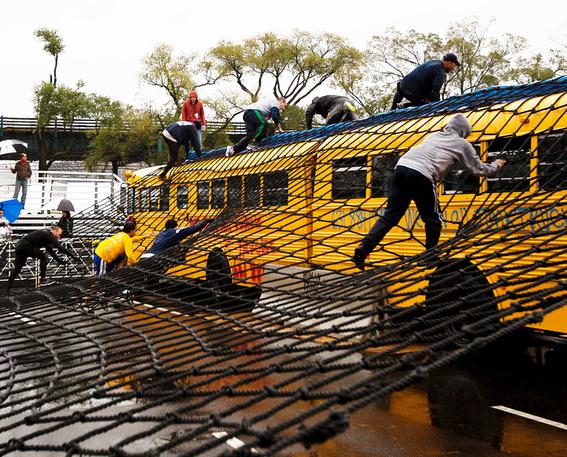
30, 124
81, 247
84, 189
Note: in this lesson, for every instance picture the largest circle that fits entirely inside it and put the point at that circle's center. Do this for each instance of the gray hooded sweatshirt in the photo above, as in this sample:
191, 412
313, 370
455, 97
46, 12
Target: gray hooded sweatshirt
439, 152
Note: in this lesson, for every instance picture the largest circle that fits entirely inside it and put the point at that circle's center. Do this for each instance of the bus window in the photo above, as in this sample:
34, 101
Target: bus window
275, 189
382, 174
203, 194
164, 200
515, 176
132, 203
154, 198
182, 197
235, 192
459, 181
217, 200
349, 178
144, 199
251, 191
552, 153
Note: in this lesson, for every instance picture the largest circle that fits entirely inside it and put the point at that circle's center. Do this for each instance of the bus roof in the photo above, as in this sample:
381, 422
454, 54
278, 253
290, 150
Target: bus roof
483, 98
277, 146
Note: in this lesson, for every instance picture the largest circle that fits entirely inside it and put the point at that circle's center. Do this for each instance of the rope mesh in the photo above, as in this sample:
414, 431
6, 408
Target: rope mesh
259, 327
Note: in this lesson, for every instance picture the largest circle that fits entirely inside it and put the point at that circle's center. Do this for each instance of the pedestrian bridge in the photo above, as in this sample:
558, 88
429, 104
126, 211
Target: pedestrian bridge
73, 139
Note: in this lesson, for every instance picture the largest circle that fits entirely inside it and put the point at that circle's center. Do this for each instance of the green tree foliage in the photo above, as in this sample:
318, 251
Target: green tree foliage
215, 139
292, 66
539, 67
62, 104
172, 73
486, 60
293, 118
53, 44
123, 135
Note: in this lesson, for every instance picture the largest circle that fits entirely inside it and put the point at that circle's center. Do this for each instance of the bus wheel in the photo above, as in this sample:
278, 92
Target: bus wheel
224, 292
219, 277
459, 402
458, 285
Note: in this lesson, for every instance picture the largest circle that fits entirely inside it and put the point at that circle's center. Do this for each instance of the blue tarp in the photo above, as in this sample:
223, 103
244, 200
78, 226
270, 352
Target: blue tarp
481, 98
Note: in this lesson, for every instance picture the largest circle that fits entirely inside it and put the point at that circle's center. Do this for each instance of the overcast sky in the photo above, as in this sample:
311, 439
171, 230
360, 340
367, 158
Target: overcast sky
105, 41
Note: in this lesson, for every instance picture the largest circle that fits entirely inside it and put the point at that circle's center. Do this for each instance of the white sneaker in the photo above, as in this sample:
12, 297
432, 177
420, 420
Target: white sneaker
229, 151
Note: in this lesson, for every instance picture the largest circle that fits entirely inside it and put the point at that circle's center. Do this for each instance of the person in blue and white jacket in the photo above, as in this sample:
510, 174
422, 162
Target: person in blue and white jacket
180, 133
171, 236
256, 117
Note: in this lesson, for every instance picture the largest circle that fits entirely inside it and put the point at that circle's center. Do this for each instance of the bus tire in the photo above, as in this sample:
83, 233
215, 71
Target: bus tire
223, 291
453, 280
219, 277
460, 403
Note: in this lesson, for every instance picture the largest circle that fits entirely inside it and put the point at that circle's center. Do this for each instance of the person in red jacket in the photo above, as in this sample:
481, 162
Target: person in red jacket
193, 112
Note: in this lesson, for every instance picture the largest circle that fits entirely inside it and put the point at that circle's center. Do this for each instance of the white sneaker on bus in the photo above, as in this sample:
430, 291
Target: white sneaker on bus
229, 151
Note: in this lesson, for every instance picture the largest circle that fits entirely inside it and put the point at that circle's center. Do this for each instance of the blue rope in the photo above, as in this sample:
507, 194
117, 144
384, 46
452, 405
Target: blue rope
474, 100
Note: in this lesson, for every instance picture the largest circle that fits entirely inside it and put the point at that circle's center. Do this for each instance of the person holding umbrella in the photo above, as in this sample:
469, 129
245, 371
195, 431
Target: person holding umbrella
23, 173
66, 221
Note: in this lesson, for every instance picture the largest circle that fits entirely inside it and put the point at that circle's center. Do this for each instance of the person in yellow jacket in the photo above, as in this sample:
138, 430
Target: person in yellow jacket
117, 248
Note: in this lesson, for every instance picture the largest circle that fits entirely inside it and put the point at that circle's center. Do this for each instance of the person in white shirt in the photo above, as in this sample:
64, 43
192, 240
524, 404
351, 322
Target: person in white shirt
256, 117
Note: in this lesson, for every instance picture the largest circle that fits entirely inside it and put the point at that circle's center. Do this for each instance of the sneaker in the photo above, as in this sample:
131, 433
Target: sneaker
229, 151
358, 258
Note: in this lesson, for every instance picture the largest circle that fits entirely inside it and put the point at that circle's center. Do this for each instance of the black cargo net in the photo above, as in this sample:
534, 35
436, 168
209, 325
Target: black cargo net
258, 329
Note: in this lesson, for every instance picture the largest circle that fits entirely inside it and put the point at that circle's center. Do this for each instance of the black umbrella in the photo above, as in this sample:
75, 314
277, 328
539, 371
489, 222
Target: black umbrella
11, 149
65, 205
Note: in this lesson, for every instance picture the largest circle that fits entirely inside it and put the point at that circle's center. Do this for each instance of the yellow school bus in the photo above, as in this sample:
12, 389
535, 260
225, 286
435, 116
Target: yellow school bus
289, 214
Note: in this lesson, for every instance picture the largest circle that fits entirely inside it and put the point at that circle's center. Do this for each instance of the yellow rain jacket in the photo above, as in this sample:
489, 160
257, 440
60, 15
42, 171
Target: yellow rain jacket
119, 244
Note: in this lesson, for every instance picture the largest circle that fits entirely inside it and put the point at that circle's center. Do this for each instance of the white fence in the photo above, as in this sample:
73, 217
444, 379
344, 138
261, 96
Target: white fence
47, 188
80, 268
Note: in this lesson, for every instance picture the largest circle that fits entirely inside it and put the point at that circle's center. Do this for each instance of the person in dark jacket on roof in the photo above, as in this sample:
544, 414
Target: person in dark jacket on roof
179, 133
423, 85
256, 118
415, 176
30, 246
334, 108
171, 236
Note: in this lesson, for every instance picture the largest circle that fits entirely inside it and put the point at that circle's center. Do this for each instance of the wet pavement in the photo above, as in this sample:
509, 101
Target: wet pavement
501, 402
498, 403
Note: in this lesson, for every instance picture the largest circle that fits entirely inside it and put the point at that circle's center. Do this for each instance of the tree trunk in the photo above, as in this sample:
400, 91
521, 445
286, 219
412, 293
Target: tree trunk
42, 153
55, 71
115, 165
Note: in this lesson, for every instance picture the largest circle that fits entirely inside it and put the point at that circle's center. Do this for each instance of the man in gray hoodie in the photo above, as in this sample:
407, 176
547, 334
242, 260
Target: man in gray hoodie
415, 176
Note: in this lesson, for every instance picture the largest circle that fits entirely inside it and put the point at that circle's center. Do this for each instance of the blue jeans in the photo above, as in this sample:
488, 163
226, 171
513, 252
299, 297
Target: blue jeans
21, 184
188, 155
